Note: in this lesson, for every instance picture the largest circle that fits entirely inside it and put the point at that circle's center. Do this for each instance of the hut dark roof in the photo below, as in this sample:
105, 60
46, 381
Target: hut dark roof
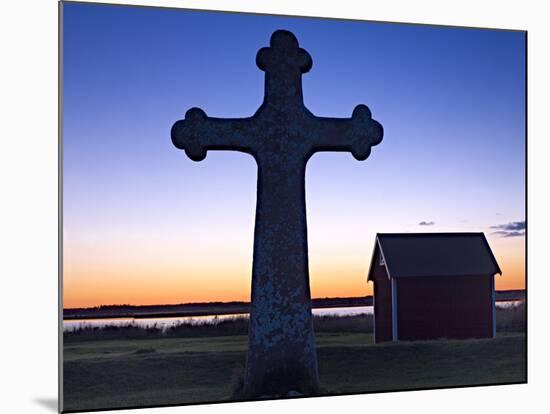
435, 254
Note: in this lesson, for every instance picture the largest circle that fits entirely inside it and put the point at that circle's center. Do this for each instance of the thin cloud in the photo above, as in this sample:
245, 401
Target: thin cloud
426, 223
512, 229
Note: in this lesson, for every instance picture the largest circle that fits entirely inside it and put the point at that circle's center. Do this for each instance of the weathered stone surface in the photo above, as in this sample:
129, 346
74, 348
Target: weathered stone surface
281, 136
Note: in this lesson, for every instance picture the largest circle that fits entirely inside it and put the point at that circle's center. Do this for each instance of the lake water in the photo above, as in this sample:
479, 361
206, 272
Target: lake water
164, 323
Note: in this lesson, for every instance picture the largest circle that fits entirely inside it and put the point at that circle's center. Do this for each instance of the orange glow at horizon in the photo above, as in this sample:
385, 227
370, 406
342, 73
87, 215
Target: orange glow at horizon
103, 279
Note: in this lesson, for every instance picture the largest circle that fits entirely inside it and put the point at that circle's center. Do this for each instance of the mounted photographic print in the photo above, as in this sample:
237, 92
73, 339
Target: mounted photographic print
262, 207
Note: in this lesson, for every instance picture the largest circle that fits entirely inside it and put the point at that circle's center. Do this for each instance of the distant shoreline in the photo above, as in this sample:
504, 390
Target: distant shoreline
224, 308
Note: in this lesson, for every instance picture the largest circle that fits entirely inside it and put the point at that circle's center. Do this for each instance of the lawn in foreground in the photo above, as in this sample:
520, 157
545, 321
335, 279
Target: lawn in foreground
160, 371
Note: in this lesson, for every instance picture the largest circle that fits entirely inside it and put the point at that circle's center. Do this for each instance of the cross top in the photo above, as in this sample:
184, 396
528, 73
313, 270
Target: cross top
283, 48
283, 63
282, 128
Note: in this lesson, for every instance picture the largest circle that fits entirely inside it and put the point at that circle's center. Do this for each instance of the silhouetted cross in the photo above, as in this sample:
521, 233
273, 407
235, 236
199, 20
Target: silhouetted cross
281, 136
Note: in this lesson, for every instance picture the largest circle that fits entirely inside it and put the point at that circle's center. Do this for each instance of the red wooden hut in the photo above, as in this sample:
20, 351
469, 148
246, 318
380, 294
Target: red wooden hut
433, 285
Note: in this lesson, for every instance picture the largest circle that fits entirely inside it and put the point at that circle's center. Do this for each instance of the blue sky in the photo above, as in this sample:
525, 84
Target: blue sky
451, 100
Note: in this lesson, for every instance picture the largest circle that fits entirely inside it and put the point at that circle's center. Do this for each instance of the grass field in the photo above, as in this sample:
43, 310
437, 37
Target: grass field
177, 369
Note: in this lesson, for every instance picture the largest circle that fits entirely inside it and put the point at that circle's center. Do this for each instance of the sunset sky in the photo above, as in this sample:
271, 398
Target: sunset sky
143, 224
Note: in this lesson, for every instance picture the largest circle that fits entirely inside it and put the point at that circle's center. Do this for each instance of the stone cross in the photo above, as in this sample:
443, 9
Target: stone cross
281, 136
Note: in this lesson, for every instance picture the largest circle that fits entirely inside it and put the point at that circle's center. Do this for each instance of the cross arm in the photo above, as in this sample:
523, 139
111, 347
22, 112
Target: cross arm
356, 134
198, 133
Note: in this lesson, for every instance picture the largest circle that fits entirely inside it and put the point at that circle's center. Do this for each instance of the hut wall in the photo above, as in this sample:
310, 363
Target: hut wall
444, 307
